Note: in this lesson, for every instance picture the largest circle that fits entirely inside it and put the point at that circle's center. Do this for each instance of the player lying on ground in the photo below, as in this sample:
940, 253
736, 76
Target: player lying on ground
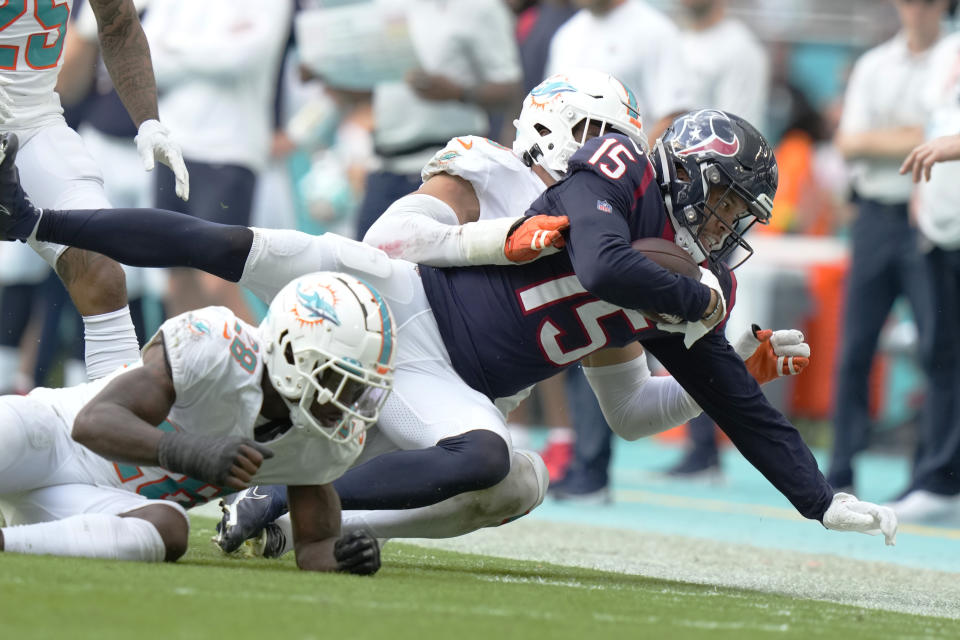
84, 471
474, 192
467, 336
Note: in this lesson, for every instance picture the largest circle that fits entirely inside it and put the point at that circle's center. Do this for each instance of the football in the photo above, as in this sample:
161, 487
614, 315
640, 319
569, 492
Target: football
668, 255
671, 257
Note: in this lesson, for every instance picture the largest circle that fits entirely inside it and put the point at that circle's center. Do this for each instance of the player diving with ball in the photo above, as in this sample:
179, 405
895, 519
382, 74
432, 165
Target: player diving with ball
442, 462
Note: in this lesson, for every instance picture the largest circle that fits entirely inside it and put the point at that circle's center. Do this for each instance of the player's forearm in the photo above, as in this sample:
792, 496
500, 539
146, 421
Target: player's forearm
315, 519
152, 238
116, 433
126, 55
423, 229
894, 143
316, 556
718, 380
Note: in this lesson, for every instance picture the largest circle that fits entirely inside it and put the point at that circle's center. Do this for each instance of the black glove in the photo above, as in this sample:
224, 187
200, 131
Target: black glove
358, 553
205, 458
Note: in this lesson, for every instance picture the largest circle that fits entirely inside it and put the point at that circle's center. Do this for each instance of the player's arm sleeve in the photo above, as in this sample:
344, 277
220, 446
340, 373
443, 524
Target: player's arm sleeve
636, 404
424, 229
719, 382
598, 241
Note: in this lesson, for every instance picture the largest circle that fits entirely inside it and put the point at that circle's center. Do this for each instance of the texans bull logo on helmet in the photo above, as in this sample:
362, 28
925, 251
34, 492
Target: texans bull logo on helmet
717, 136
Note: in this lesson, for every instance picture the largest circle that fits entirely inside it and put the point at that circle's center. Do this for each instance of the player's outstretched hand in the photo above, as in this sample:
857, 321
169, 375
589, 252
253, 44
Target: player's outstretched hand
922, 158
358, 553
225, 462
529, 238
154, 143
770, 354
846, 513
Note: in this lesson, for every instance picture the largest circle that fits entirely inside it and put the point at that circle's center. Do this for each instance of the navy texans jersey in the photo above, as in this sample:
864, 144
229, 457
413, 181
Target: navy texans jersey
507, 327
553, 312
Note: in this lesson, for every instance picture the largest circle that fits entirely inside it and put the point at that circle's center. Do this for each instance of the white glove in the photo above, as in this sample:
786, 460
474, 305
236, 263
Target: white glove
771, 354
693, 331
846, 513
154, 142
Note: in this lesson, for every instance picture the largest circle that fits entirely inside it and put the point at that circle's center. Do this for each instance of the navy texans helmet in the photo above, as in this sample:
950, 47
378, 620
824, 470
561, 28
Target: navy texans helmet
706, 150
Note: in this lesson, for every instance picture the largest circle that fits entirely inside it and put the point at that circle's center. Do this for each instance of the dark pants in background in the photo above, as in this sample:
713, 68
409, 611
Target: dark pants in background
937, 467
885, 263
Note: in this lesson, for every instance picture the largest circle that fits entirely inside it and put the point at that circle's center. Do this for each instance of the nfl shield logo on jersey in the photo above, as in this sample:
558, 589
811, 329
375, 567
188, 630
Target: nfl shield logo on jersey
604, 206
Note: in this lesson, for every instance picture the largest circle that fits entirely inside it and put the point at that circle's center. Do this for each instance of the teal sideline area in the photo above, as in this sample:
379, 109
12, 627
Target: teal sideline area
744, 508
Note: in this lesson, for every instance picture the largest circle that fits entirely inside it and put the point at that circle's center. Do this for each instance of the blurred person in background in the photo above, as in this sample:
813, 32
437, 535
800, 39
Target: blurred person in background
216, 64
636, 44
933, 494
728, 68
469, 66
537, 21
107, 131
883, 118
54, 163
639, 46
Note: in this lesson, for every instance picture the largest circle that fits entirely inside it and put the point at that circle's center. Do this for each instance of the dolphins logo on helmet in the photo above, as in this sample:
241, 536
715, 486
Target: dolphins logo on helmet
315, 306
547, 90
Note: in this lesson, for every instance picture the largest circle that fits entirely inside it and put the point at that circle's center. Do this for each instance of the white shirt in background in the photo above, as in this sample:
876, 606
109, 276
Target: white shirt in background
217, 63
885, 91
729, 69
471, 43
938, 206
635, 43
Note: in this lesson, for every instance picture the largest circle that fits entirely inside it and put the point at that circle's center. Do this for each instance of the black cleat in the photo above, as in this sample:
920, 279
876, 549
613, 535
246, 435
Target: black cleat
18, 216
247, 513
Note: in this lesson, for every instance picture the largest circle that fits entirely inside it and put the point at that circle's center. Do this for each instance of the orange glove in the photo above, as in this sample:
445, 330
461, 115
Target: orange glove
530, 236
770, 354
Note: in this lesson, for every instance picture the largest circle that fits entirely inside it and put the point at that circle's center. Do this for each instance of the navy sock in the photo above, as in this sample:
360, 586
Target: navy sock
151, 238
420, 477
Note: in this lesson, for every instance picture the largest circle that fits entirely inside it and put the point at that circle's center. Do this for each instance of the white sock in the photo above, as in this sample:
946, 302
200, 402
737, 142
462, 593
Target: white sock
516, 495
109, 342
89, 535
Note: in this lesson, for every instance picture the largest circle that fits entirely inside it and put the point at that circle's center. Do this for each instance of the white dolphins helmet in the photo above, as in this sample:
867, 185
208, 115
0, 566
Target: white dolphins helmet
557, 105
329, 350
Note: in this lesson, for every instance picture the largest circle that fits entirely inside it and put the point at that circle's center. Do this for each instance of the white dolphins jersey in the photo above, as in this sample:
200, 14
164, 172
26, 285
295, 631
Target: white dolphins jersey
31, 53
504, 185
216, 364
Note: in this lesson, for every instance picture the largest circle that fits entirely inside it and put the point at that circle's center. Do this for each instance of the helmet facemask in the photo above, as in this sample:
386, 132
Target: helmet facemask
339, 400
328, 351
703, 160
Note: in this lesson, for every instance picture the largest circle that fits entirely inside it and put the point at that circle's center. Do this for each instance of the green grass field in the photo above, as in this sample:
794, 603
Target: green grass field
419, 593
